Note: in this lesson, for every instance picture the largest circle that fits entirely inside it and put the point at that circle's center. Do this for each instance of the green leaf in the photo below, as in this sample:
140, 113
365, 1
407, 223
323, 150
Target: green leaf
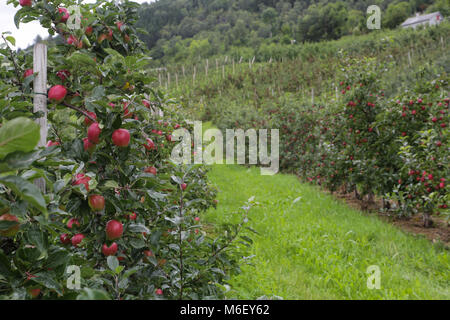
111, 184
138, 228
112, 262
45, 279
11, 40
137, 243
26, 190
19, 134
93, 294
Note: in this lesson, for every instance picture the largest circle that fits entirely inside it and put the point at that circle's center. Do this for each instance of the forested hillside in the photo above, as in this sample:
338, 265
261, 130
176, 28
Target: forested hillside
181, 30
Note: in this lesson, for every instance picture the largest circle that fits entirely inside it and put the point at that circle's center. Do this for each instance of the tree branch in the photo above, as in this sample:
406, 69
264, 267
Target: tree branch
80, 111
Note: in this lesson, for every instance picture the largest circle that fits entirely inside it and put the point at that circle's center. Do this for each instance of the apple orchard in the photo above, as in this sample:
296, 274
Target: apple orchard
113, 204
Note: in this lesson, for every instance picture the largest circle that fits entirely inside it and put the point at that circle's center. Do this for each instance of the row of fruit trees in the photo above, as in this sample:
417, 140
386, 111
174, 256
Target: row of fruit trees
114, 208
393, 148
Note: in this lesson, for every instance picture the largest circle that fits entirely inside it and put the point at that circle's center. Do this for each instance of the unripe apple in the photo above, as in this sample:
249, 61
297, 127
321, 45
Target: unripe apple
88, 146
57, 93
151, 170
96, 202
76, 239
25, 3
64, 238
94, 133
114, 230
28, 72
64, 14
88, 121
109, 251
11, 231
121, 137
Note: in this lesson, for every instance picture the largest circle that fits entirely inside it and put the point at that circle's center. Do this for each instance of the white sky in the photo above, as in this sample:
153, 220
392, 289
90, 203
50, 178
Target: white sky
27, 32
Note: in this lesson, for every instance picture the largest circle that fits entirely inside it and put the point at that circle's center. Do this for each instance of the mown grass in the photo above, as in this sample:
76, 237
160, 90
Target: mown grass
319, 248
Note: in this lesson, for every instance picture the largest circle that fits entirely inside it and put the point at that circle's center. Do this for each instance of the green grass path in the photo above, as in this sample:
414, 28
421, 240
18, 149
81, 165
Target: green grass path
319, 248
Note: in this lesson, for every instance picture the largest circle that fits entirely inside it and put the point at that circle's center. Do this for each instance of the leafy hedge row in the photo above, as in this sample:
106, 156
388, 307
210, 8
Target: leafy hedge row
365, 142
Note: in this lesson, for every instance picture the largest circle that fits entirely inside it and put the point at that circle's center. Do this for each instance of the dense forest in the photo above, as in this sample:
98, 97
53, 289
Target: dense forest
189, 30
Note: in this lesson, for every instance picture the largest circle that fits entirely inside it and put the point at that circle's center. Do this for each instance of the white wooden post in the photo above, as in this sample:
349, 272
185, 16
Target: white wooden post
40, 96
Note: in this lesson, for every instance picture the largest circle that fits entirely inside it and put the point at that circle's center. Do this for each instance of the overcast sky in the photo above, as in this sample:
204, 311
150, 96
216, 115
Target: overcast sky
28, 31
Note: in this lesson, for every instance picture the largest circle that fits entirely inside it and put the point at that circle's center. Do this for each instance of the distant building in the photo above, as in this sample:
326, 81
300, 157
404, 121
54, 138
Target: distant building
423, 20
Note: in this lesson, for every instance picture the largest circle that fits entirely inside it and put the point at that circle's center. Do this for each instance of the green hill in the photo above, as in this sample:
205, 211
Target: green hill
191, 30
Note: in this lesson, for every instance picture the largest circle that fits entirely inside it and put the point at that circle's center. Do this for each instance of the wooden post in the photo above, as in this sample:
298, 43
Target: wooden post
40, 97
193, 75
168, 79
183, 72
206, 68
223, 71
409, 58
312, 96
233, 66
159, 78
176, 79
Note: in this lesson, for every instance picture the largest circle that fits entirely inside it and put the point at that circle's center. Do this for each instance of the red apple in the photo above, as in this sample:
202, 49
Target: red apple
150, 144
151, 170
159, 292
132, 216
34, 292
121, 137
109, 251
51, 143
146, 103
57, 93
63, 74
114, 230
88, 146
183, 186
94, 133
96, 202
25, 3
11, 231
126, 112
80, 178
28, 72
76, 239
88, 121
119, 24
72, 222
64, 14
64, 238
89, 31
